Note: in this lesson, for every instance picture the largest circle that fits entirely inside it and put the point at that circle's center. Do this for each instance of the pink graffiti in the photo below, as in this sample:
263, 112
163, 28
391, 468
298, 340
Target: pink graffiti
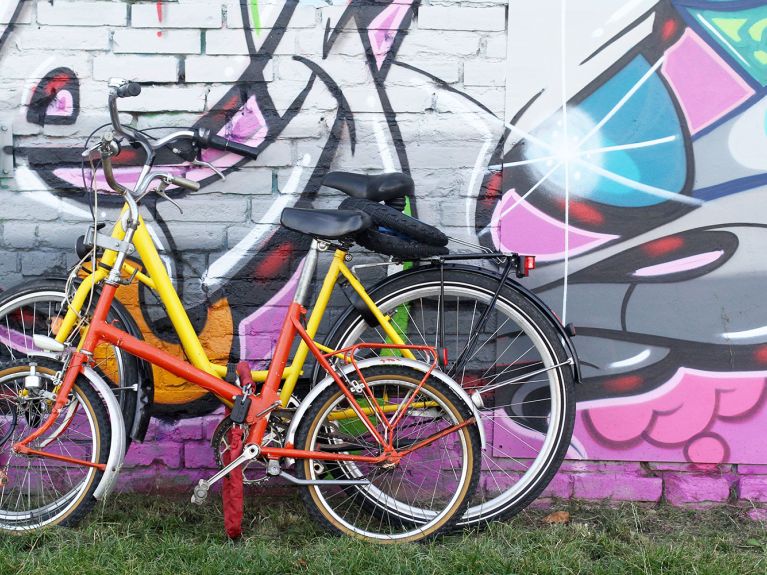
258, 332
680, 265
707, 88
523, 228
61, 105
511, 441
689, 416
159, 17
383, 29
247, 126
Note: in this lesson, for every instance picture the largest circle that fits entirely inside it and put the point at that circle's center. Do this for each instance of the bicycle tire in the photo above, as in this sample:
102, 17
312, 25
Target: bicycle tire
403, 248
389, 217
465, 290
118, 368
66, 509
403, 510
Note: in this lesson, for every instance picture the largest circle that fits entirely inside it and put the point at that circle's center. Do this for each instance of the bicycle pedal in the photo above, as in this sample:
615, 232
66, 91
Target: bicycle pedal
200, 492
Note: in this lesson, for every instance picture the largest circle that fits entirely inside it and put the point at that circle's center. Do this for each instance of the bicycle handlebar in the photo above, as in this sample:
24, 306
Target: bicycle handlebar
207, 139
201, 137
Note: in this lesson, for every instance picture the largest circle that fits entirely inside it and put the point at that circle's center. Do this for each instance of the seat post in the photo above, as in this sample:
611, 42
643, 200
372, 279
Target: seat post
307, 274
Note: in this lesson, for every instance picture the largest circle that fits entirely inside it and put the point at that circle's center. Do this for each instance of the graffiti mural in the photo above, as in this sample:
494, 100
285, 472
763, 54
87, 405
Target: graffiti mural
622, 144
638, 192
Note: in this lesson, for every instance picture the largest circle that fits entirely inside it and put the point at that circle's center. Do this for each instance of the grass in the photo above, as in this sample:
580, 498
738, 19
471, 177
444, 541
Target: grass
154, 535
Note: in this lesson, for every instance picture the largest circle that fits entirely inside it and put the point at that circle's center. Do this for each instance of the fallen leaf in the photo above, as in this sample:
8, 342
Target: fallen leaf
557, 517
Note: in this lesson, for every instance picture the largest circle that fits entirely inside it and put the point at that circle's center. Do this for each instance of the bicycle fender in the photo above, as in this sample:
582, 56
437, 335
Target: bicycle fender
399, 361
117, 424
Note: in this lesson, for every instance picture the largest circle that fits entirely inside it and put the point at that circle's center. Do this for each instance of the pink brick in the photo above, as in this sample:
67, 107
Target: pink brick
143, 454
754, 488
622, 467
209, 424
153, 430
159, 428
560, 487
617, 487
183, 429
750, 469
691, 467
682, 488
198, 455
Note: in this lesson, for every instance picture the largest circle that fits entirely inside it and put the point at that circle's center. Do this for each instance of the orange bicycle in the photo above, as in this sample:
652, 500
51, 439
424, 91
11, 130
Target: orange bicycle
385, 449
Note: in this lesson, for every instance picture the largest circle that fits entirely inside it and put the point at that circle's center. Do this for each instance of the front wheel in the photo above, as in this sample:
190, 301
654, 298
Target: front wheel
418, 497
38, 492
509, 353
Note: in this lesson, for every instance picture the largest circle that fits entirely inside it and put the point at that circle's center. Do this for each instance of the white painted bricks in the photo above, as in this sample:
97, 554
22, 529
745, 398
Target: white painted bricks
157, 41
460, 18
143, 68
63, 13
168, 15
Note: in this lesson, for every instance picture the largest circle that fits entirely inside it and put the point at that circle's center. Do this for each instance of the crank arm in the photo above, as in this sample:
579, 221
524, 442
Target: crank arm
201, 490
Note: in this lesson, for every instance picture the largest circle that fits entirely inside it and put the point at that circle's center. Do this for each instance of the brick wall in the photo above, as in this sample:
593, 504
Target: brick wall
638, 195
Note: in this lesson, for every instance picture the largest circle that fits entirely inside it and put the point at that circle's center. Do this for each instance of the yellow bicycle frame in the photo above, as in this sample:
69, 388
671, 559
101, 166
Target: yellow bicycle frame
157, 279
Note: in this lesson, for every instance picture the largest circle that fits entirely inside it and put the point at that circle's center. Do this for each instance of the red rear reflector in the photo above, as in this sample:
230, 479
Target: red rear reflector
528, 264
444, 356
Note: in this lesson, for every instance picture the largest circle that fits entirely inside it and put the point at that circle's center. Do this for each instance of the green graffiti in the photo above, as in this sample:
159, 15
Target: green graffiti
742, 35
730, 26
255, 16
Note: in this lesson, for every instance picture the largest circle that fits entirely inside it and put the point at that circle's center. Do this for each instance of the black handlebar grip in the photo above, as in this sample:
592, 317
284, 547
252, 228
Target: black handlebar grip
209, 140
128, 90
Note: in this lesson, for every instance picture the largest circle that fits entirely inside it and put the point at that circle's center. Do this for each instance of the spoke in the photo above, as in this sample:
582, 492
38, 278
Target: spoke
513, 341
525, 377
471, 331
476, 351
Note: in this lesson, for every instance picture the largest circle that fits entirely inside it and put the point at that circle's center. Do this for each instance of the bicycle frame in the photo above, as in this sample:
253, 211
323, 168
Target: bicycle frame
158, 281
202, 372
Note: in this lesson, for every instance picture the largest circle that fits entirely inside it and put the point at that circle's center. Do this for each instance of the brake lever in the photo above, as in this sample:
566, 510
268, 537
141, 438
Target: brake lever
161, 192
204, 164
88, 152
107, 144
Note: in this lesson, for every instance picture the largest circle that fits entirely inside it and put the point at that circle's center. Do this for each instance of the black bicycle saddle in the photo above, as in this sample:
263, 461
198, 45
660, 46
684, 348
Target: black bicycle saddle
326, 224
378, 188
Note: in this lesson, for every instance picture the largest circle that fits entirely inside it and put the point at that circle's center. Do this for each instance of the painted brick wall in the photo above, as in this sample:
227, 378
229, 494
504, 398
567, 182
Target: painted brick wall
623, 143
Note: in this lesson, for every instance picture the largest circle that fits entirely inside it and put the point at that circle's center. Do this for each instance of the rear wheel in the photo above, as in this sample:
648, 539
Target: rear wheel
517, 364
37, 492
417, 498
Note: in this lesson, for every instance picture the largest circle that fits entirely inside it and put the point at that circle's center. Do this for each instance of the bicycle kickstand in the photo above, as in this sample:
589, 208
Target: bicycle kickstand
200, 493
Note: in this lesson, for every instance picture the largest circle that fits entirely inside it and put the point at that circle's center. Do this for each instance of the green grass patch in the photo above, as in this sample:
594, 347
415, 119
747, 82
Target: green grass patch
156, 535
